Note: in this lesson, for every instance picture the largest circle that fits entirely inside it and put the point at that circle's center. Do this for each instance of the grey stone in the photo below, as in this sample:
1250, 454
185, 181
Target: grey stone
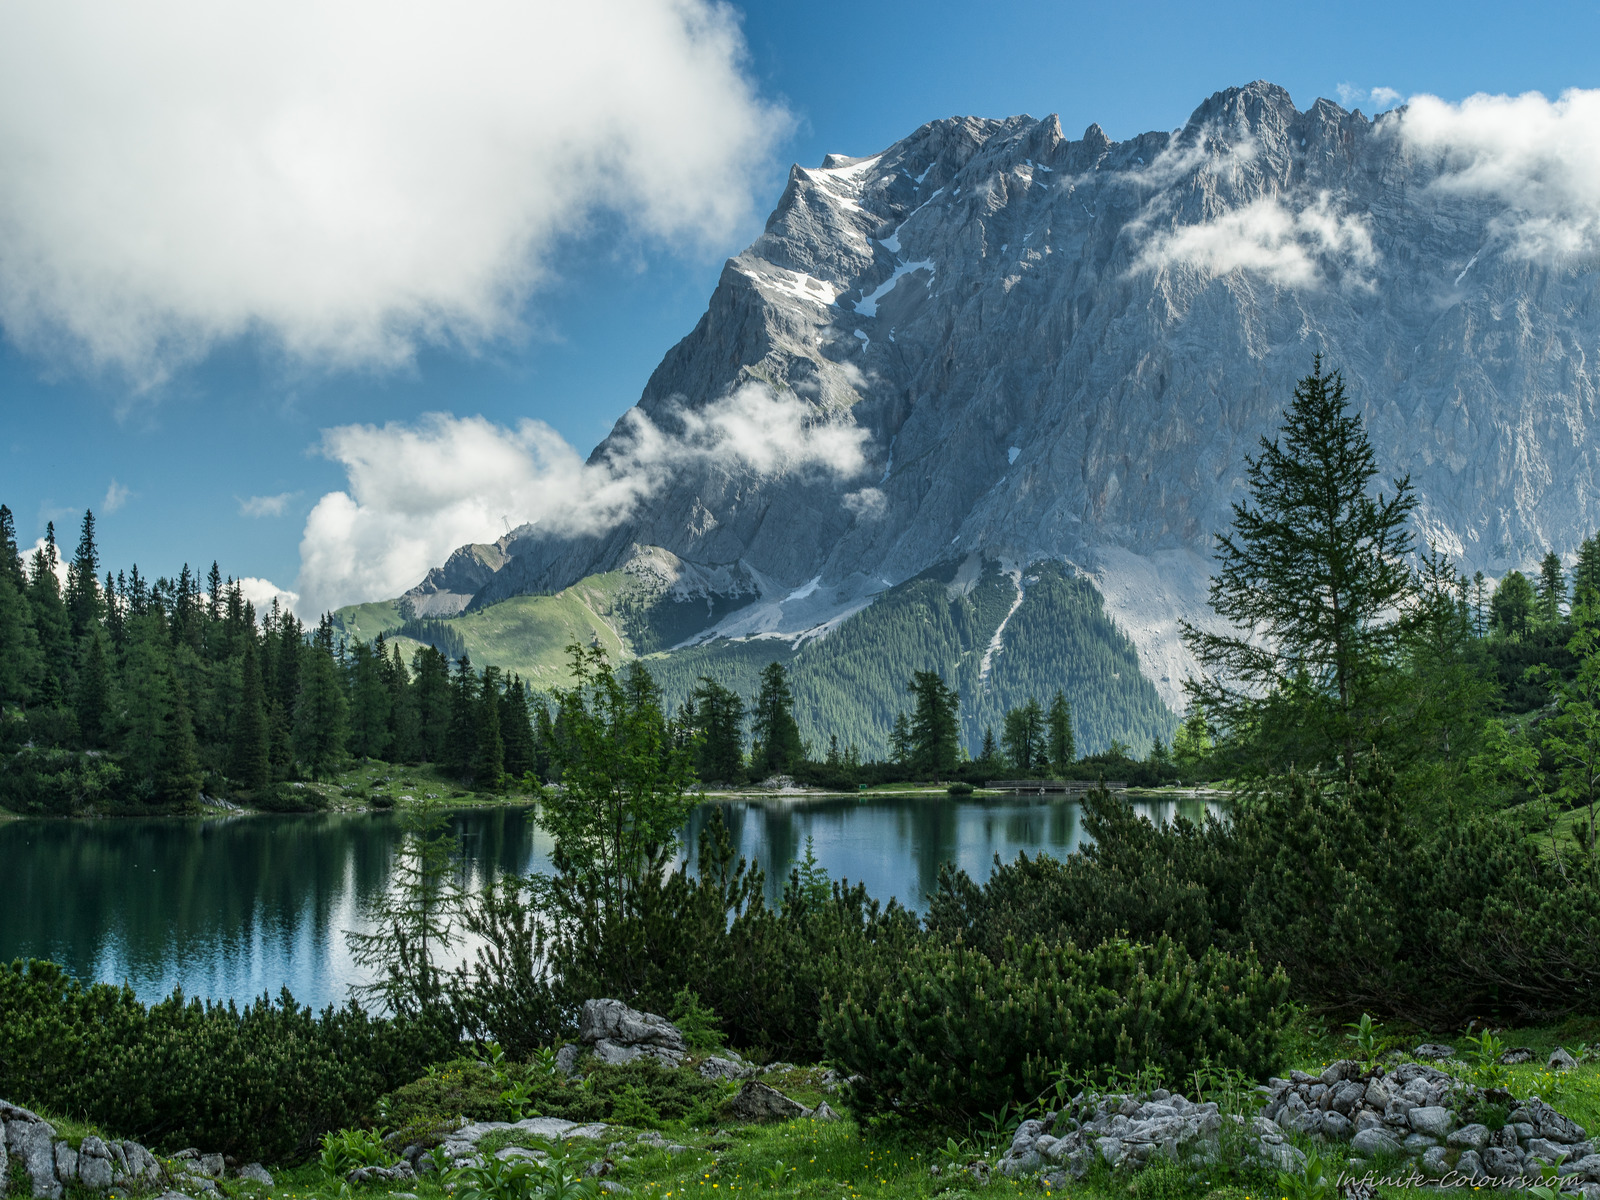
1590, 1191
1347, 1096
256, 1173
758, 1102
567, 1059
400, 1172
1374, 1142
1588, 1167
1470, 1165
1548, 1123
1367, 1119
66, 1163
1282, 1157
1516, 1056
1435, 1161
1561, 1060
823, 1113
1501, 1163
95, 1164
212, 1165
1415, 1143
172, 1195
1336, 1125
1111, 1150
33, 1141
1434, 1051
717, 1067
1337, 1072
1434, 1121
1469, 1137
615, 1053
613, 1021
1378, 1094
1546, 1151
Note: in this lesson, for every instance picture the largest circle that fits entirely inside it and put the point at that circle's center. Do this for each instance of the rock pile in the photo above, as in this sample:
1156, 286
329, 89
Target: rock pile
1414, 1112
618, 1034
51, 1163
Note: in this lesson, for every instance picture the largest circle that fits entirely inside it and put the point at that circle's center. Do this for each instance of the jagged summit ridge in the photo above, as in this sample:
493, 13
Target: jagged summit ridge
1064, 349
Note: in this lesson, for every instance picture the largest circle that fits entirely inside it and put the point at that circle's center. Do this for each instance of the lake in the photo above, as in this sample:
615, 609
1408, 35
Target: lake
231, 907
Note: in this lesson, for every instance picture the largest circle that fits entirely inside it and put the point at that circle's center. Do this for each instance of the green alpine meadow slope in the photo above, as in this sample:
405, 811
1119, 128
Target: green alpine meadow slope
851, 682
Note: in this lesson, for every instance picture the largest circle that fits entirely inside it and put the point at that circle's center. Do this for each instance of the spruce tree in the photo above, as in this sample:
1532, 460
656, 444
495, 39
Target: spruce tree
321, 715
1513, 606
369, 701
432, 693
720, 757
94, 692
516, 730
1311, 576
177, 776
1062, 748
250, 751
10, 554
989, 756
52, 626
489, 756
1552, 589
900, 740
84, 606
20, 661
773, 726
461, 742
934, 732
405, 732
1586, 573
1022, 733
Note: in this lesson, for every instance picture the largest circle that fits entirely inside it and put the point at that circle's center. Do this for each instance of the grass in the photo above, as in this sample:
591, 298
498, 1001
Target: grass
848, 1160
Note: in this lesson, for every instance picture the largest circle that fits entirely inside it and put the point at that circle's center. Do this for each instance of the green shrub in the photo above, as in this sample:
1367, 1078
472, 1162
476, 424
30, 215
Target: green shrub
345, 1150
642, 1092
950, 1033
959, 789
262, 1082
59, 782
1332, 881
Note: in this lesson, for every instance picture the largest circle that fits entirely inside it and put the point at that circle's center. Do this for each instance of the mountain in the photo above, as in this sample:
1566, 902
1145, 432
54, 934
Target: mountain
1060, 351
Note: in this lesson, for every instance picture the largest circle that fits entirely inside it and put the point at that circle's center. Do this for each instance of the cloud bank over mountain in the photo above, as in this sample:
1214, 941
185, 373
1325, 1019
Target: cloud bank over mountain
416, 491
346, 180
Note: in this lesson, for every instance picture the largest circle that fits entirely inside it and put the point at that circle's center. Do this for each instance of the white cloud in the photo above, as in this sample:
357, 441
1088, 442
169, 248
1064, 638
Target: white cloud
261, 593
1267, 237
1537, 157
60, 565
1377, 100
347, 178
266, 506
116, 496
417, 491
868, 504
1384, 98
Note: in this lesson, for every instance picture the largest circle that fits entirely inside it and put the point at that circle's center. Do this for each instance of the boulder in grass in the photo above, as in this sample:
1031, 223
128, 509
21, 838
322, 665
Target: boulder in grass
758, 1102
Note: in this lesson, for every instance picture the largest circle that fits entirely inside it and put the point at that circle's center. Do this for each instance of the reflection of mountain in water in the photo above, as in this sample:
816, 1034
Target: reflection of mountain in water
232, 909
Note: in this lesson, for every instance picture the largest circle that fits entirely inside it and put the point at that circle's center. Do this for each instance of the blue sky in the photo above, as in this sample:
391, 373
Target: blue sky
242, 417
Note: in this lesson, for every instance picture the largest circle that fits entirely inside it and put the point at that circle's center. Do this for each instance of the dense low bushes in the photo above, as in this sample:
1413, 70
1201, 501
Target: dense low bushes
642, 1092
763, 971
950, 1033
1364, 911
262, 1082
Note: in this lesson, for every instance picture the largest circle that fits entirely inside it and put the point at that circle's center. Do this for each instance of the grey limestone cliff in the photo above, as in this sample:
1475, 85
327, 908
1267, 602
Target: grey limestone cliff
1065, 348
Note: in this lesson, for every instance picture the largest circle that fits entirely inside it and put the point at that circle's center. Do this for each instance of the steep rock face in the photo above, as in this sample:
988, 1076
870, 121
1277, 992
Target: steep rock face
1064, 349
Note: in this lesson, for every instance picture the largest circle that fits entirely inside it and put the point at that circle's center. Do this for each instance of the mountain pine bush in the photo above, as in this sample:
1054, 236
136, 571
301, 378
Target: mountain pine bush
954, 1033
